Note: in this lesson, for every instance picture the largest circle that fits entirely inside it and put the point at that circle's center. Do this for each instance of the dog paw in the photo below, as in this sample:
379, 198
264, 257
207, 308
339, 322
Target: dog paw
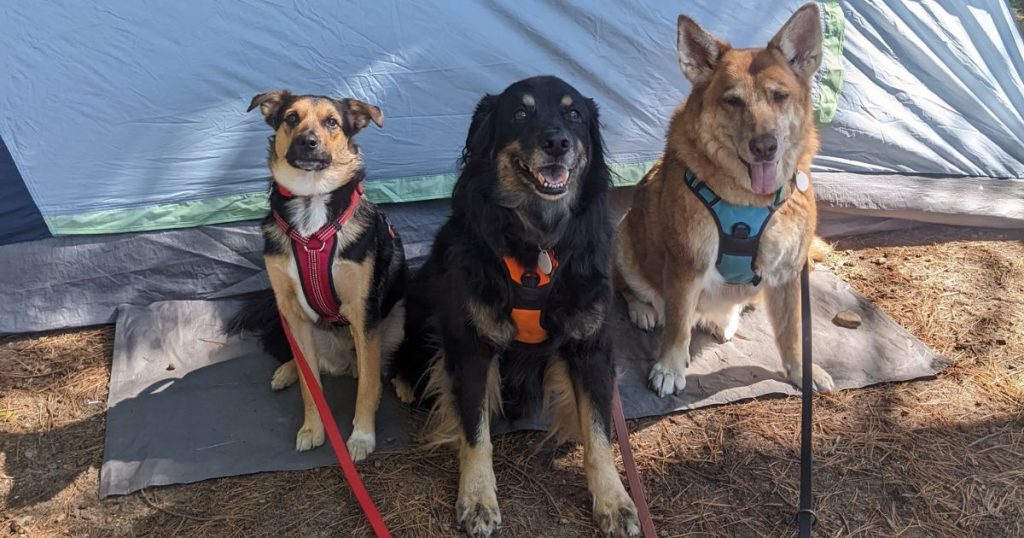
478, 515
616, 517
666, 380
360, 444
309, 437
403, 390
643, 315
284, 376
822, 381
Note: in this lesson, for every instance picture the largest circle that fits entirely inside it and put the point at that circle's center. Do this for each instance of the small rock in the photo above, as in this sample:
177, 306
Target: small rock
563, 521
847, 319
170, 367
879, 260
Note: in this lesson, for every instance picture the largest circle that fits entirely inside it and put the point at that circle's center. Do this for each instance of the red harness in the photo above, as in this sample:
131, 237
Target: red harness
314, 256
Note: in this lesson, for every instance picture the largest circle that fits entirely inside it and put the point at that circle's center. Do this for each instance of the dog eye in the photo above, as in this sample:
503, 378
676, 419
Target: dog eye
331, 123
520, 115
574, 115
733, 101
779, 97
291, 119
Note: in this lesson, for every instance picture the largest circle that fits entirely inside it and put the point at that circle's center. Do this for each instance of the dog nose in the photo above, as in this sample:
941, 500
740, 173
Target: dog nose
309, 141
764, 147
556, 143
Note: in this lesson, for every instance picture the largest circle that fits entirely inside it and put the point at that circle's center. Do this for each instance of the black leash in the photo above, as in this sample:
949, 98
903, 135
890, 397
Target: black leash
806, 517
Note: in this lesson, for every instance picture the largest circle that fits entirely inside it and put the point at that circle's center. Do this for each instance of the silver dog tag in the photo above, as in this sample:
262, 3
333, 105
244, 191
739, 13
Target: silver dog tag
802, 181
544, 262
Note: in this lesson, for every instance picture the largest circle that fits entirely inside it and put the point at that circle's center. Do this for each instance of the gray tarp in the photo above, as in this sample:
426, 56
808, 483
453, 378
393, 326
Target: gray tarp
187, 404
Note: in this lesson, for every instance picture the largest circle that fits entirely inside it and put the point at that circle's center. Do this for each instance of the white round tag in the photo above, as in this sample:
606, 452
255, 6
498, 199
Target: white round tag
802, 181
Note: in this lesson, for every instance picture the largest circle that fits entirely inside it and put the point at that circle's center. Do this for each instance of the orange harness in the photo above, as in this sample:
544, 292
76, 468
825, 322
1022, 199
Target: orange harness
530, 292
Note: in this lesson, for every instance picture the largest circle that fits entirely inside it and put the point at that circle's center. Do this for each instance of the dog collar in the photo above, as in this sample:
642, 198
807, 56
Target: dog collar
314, 256
739, 231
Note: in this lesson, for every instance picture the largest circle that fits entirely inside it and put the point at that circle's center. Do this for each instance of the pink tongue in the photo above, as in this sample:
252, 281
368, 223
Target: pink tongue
762, 177
555, 175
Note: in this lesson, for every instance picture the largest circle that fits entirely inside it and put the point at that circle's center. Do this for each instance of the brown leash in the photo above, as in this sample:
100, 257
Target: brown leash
636, 488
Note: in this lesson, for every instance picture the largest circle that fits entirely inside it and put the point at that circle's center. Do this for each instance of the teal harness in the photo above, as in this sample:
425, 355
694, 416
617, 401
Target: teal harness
739, 231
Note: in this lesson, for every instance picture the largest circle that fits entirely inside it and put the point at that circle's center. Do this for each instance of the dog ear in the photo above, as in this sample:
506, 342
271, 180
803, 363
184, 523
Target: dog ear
480, 138
799, 40
270, 104
699, 51
359, 114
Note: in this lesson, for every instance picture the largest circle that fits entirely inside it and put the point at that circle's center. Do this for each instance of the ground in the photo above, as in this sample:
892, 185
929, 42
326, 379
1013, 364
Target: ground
935, 457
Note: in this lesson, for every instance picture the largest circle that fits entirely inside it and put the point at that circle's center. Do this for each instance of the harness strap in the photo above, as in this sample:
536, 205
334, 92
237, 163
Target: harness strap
380, 529
806, 518
636, 487
739, 231
530, 292
314, 256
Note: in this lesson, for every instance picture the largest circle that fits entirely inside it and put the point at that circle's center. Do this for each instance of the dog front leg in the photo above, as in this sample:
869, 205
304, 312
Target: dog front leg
476, 510
311, 434
592, 371
668, 375
784, 312
363, 439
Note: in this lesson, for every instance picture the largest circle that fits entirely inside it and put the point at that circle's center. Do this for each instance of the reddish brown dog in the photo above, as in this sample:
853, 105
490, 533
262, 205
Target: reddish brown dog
747, 134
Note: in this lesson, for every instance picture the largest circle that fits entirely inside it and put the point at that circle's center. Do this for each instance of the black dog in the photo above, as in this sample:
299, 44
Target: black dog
508, 313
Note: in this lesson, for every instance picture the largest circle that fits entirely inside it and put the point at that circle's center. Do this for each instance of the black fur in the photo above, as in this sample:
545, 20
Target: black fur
465, 263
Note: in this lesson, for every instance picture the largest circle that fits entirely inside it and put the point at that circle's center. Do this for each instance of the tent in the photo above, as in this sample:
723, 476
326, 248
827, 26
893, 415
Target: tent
132, 172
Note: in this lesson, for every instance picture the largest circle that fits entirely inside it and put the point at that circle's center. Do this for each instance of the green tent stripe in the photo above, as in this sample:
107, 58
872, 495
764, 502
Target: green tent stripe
254, 205
408, 189
830, 83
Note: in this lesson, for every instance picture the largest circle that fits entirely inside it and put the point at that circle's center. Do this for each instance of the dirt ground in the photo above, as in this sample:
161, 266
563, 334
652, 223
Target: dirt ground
936, 457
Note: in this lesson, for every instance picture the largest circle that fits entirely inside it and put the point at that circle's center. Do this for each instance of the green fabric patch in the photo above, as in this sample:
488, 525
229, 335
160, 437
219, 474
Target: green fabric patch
830, 81
413, 188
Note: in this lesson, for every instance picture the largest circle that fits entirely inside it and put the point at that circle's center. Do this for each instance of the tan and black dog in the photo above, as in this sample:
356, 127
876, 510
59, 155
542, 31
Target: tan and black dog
728, 210
336, 267
508, 314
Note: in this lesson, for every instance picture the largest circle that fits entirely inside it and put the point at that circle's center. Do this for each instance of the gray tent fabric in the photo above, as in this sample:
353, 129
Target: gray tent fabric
75, 281
187, 404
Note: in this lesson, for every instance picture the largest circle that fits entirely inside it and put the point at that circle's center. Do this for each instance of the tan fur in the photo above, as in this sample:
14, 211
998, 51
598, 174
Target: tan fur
498, 329
476, 509
443, 425
560, 402
614, 511
667, 242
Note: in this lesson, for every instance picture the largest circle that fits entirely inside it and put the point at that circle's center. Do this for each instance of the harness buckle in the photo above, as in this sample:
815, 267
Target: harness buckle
530, 280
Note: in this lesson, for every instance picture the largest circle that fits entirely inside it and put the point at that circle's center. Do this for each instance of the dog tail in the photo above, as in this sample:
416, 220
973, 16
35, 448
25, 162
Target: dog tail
258, 316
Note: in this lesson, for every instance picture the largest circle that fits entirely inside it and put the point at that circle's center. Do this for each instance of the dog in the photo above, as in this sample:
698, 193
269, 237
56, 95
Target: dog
508, 314
728, 210
337, 269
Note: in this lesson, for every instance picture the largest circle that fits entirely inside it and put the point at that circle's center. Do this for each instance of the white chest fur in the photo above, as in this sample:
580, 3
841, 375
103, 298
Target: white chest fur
308, 213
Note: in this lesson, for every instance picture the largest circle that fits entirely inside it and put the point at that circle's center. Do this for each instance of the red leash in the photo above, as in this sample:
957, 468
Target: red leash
632, 474
380, 529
